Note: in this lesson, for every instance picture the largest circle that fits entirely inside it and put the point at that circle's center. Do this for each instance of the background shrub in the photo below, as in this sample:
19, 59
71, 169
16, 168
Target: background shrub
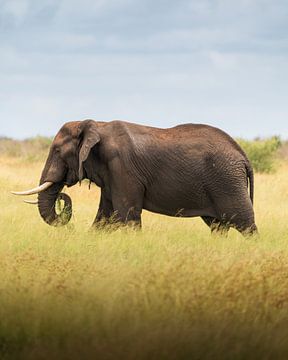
33, 149
262, 153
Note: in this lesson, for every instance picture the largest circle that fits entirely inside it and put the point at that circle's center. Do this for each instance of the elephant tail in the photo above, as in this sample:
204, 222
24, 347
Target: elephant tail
250, 174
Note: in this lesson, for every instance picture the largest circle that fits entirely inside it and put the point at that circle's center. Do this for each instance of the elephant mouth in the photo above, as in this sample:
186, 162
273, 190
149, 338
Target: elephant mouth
70, 183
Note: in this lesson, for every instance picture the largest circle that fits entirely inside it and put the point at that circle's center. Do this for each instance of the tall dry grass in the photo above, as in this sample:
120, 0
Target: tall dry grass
170, 291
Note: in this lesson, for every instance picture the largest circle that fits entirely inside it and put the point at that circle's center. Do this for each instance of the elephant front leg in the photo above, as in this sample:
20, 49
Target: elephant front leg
127, 195
105, 213
127, 206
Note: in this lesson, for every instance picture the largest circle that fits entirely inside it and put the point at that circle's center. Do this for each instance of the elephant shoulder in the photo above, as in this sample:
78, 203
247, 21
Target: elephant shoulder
115, 139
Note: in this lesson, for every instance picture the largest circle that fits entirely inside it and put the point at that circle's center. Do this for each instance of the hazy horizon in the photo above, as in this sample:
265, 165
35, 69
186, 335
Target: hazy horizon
34, 136
159, 63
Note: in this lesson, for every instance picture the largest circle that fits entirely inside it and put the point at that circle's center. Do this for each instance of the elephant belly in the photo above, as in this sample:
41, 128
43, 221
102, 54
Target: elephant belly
178, 203
179, 212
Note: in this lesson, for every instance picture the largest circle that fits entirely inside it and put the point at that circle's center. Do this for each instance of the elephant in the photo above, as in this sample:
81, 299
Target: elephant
189, 170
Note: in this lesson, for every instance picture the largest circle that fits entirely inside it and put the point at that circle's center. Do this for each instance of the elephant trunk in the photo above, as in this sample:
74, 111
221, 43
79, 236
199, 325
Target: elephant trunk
49, 200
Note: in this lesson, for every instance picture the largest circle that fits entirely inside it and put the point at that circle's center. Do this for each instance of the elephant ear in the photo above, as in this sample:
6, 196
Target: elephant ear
90, 137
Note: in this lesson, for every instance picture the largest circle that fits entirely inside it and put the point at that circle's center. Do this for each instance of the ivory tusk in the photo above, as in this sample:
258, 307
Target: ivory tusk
36, 190
32, 202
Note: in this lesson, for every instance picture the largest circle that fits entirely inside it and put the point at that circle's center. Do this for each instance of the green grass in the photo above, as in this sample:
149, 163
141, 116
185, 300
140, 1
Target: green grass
29, 150
262, 153
170, 291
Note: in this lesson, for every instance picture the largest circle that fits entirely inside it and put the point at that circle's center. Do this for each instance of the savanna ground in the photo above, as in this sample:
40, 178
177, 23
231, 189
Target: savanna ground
170, 291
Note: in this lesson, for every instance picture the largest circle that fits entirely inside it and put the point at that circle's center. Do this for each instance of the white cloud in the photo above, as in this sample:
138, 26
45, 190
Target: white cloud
17, 9
71, 9
75, 40
224, 61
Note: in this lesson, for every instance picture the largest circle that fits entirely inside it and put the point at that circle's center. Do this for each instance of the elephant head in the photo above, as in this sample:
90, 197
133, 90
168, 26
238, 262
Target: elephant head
64, 166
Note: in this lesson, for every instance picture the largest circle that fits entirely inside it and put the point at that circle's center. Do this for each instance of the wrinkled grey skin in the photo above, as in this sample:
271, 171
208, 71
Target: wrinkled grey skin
189, 170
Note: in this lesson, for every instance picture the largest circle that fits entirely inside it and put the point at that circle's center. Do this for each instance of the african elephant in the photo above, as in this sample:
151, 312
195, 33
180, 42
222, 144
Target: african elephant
188, 170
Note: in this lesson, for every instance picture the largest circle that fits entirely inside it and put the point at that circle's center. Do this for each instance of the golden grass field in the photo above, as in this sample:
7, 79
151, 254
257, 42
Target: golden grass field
170, 291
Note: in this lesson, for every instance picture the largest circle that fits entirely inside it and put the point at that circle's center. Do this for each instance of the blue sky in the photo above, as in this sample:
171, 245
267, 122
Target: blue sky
221, 62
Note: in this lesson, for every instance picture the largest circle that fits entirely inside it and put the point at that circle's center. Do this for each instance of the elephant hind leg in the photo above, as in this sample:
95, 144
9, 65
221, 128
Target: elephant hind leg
236, 210
241, 219
216, 226
247, 230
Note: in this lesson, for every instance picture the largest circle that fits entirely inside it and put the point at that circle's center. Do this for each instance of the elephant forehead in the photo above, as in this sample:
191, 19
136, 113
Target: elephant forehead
69, 129
65, 141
